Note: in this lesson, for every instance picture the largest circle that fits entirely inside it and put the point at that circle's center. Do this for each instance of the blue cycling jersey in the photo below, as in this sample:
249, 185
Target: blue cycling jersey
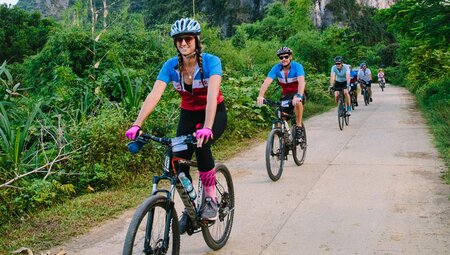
288, 82
195, 100
341, 75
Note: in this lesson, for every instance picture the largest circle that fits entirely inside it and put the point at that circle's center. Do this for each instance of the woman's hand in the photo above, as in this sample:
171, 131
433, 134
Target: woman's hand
133, 132
203, 135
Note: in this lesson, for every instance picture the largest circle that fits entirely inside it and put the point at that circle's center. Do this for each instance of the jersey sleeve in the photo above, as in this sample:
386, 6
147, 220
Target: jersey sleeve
164, 73
332, 70
300, 70
215, 65
273, 72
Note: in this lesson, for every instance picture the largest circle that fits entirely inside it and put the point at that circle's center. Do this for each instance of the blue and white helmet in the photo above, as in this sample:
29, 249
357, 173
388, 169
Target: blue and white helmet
185, 26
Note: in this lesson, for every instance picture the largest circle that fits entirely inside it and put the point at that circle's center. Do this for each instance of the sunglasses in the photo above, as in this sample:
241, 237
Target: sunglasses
187, 39
283, 57
338, 64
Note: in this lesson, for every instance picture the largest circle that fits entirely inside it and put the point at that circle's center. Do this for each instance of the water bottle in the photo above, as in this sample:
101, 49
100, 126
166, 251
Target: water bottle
187, 184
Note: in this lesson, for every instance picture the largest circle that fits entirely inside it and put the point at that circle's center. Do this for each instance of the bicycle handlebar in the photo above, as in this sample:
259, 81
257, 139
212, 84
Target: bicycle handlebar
276, 103
136, 145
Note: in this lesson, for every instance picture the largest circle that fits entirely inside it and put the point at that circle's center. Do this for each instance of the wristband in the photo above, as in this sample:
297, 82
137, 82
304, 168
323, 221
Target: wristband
299, 96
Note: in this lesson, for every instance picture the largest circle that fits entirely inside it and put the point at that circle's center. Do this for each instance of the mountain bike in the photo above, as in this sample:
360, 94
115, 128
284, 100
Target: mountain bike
283, 139
382, 83
154, 227
342, 109
365, 92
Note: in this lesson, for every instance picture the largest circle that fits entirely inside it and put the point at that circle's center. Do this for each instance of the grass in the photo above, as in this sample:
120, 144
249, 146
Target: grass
54, 226
439, 123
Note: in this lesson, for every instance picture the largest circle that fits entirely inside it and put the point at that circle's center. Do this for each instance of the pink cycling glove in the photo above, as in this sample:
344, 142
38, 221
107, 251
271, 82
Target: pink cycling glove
205, 133
132, 132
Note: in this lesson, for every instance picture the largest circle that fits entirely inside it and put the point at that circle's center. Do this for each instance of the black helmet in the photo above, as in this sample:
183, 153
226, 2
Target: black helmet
284, 50
338, 59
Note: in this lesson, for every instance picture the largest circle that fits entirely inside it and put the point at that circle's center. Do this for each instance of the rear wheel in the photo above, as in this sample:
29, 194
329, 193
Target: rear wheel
299, 147
353, 99
153, 229
217, 233
275, 154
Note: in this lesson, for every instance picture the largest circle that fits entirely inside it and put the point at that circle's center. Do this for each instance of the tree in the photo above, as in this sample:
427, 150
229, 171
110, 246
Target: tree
21, 34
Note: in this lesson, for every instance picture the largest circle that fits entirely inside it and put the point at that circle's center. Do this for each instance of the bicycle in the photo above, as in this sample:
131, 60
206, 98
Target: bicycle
353, 99
342, 110
154, 227
365, 92
382, 83
282, 139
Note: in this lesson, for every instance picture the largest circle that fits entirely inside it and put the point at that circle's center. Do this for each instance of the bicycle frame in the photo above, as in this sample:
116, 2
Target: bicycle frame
170, 173
280, 121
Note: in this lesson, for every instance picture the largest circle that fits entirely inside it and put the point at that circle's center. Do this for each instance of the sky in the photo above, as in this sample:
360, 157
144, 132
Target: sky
8, 1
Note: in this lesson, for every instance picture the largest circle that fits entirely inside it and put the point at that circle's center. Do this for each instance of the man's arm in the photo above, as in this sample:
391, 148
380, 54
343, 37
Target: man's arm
262, 91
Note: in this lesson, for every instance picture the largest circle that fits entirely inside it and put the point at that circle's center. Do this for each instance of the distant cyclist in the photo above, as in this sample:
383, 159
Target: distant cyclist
381, 75
364, 74
340, 80
354, 83
291, 78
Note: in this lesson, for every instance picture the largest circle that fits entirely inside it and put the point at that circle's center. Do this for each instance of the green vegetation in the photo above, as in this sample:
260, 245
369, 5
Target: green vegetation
421, 29
66, 103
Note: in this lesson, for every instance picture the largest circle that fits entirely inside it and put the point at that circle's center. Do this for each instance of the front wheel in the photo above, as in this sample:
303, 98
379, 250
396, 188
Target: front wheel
341, 115
216, 234
153, 229
275, 154
366, 97
300, 144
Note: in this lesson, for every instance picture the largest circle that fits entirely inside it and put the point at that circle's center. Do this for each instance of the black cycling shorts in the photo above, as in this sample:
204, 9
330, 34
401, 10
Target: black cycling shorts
338, 85
353, 87
187, 125
368, 83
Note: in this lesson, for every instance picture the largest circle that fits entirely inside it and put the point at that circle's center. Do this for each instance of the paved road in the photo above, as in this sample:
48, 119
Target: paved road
373, 188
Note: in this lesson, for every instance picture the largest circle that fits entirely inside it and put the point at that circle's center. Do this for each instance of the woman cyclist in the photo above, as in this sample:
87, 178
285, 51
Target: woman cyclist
197, 77
381, 75
340, 79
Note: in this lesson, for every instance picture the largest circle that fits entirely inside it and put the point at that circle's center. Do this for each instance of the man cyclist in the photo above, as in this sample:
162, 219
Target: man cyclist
365, 75
340, 80
291, 77
353, 83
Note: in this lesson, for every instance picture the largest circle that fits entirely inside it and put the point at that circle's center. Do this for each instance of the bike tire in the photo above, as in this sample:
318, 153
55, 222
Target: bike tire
347, 120
216, 235
275, 154
353, 100
151, 213
300, 146
366, 97
341, 113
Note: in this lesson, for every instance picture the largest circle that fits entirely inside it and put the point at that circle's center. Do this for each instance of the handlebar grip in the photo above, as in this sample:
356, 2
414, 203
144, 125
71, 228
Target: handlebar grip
135, 146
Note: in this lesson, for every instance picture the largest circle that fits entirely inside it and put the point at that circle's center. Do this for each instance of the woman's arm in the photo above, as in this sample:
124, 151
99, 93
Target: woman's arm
211, 100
